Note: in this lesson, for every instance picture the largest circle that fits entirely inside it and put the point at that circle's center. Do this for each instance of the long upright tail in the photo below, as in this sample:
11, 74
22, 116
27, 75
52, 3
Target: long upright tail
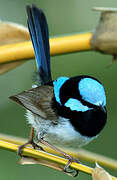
39, 34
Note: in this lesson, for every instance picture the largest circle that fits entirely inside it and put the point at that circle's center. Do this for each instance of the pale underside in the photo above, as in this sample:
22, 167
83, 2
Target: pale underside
61, 134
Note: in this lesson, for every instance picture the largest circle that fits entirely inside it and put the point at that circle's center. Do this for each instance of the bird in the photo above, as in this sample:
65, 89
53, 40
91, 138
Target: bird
66, 112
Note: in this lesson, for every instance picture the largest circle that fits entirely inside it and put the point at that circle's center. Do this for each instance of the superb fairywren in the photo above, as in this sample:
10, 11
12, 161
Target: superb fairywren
67, 112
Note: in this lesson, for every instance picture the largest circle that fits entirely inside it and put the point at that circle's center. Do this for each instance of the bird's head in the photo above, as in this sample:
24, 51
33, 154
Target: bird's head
79, 93
82, 100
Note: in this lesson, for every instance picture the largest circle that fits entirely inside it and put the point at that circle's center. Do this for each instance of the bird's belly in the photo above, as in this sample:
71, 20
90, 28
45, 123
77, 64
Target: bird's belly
63, 134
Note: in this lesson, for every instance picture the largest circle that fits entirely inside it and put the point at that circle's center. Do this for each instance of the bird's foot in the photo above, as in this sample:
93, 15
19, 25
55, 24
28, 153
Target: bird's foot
67, 168
34, 145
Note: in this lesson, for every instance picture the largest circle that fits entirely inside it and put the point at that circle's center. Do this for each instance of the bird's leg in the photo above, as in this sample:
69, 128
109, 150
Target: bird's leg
30, 141
70, 158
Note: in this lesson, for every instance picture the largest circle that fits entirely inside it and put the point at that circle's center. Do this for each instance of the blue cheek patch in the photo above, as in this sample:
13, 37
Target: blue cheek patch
75, 104
57, 85
92, 91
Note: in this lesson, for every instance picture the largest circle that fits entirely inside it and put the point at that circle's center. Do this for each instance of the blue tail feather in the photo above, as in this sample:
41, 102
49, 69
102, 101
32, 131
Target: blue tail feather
38, 29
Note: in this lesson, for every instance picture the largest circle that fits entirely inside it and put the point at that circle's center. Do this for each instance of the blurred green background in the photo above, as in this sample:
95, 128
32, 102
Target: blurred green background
64, 17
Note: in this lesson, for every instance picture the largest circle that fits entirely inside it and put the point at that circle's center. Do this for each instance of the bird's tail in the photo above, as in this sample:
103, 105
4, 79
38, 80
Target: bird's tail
39, 34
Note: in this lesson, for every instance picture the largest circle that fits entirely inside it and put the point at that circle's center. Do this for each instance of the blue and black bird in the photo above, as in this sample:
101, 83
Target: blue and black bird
68, 111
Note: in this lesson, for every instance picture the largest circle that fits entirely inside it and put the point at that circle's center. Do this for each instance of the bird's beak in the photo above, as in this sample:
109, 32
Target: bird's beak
103, 108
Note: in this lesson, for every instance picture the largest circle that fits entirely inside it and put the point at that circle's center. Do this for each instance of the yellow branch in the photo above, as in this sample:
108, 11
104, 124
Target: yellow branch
81, 154
12, 143
58, 45
43, 155
71, 43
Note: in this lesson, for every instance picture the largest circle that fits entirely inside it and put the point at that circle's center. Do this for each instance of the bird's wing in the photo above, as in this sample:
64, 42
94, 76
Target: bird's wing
37, 100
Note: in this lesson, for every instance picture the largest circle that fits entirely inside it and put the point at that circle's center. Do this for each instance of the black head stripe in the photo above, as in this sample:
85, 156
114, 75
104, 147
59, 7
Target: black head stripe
70, 90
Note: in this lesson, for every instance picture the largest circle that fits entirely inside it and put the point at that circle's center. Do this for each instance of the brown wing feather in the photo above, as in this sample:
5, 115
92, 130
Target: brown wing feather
38, 101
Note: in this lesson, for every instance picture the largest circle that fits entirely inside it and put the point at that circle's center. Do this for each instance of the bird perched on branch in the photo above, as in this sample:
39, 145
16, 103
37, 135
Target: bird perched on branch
68, 111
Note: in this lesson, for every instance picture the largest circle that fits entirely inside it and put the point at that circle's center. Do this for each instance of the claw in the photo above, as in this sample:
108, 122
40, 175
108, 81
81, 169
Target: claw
19, 152
34, 145
73, 172
66, 167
